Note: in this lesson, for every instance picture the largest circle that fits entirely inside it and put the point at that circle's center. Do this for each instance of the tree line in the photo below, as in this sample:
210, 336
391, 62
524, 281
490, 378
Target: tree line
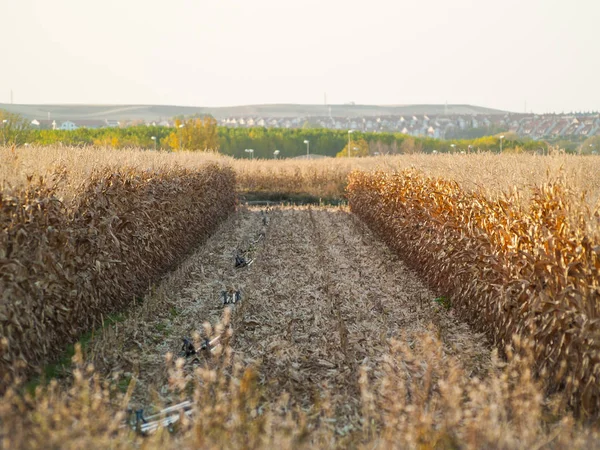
204, 134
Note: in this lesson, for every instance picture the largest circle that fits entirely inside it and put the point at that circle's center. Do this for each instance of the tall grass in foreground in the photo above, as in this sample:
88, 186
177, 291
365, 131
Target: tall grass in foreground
512, 269
418, 398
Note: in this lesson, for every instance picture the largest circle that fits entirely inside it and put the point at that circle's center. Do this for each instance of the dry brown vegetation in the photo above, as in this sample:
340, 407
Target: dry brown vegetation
65, 265
327, 178
418, 399
322, 178
336, 344
530, 270
66, 169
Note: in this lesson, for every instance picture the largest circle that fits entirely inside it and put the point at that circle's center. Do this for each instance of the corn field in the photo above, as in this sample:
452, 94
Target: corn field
529, 270
66, 265
453, 303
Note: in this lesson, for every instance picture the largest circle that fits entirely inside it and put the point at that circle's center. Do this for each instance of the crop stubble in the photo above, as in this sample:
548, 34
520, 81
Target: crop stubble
322, 299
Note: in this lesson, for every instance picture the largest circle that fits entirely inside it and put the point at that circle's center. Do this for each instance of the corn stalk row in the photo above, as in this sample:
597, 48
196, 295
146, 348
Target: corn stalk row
510, 268
65, 266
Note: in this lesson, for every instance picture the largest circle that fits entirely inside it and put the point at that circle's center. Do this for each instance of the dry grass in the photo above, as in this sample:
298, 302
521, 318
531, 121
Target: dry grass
417, 399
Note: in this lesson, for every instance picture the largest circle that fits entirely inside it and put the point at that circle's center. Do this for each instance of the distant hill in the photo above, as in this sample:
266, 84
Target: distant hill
158, 112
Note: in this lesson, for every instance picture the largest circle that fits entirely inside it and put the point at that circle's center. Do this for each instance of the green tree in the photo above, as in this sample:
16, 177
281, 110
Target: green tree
590, 145
358, 147
411, 145
194, 134
14, 129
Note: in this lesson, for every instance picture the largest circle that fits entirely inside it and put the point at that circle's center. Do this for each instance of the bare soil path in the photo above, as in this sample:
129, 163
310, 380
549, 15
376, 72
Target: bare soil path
320, 300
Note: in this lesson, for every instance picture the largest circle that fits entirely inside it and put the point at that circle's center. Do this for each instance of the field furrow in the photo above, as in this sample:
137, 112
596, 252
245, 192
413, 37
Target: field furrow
321, 300
326, 298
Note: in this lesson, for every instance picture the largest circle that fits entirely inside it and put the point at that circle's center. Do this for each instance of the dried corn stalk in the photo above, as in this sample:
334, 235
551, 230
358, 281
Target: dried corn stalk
530, 270
62, 267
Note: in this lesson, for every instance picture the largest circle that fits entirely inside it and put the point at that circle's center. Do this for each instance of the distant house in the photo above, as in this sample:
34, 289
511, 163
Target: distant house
68, 126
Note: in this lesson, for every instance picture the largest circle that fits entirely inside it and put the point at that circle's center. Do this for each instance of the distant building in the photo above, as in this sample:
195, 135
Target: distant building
68, 126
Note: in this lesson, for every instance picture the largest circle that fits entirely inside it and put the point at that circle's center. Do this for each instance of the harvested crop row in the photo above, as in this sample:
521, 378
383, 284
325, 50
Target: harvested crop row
66, 265
511, 269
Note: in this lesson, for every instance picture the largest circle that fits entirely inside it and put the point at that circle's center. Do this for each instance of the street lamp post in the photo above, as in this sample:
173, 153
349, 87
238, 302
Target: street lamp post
154, 139
307, 148
276, 154
251, 151
501, 137
349, 136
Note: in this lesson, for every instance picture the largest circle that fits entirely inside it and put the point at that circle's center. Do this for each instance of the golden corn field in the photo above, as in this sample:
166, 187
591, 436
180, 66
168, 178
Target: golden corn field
453, 303
320, 178
66, 264
530, 270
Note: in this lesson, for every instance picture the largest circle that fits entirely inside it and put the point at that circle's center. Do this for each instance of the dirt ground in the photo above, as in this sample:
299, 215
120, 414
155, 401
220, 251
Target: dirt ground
320, 299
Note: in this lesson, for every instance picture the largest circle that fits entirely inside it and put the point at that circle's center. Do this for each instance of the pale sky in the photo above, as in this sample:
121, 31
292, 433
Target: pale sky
493, 53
